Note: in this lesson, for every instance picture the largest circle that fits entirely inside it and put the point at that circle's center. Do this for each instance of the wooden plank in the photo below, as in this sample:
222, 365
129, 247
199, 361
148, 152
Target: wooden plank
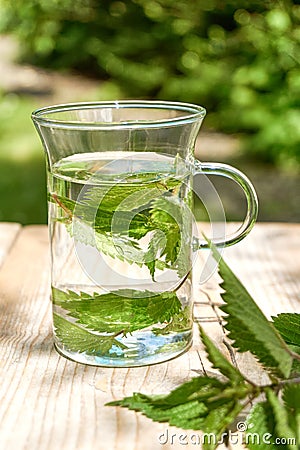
8, 234
50, 403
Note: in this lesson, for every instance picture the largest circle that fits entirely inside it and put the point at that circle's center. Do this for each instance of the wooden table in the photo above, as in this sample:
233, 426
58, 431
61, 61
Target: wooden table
50, 403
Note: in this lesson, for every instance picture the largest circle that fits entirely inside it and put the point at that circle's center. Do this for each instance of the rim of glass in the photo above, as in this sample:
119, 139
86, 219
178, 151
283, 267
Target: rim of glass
193, 113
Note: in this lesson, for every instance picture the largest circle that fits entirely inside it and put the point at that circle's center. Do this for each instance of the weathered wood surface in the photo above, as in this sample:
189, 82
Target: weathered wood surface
50, 403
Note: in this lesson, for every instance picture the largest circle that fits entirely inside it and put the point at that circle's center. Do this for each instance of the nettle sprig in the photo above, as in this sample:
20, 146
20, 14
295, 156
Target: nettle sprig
213, 404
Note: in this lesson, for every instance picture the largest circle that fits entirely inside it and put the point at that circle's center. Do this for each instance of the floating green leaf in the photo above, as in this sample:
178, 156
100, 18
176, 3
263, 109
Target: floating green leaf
122, 311
115, 246
78, 339
180, 322
113, 218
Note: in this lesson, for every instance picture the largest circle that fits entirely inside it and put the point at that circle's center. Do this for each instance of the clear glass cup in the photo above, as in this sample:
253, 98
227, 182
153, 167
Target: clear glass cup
120, 195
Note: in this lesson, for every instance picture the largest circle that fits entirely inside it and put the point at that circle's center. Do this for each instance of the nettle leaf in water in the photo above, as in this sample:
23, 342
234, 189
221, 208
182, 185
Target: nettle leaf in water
174, 218
163, 217
122, 311
78, 339
120, 247
156, 247
179, 322
114, 219
116, 209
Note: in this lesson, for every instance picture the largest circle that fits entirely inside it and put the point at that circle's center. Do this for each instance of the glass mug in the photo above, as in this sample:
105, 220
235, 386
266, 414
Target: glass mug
121, 227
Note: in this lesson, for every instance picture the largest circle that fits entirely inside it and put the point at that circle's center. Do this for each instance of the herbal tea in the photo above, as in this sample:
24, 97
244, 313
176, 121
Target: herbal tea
121, 227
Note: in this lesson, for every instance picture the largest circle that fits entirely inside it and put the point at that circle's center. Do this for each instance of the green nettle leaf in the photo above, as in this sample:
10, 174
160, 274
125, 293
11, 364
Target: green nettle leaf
119, 247
120, 209
282, 426
271, 423
122, 311
80, 340
155, 250
219, 361
248, 328
291, 398
217, 421
203, 403
180, 322
114, 218
210, 405
110, 197
288, 325
163, 219
174, 218
199, 388
260, 423
187, 414
188, 406
296, 362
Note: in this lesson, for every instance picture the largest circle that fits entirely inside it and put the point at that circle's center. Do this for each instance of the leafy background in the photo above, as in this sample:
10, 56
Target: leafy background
238, 59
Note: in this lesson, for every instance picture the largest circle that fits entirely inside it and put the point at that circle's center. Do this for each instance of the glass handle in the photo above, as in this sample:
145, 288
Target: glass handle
225, 170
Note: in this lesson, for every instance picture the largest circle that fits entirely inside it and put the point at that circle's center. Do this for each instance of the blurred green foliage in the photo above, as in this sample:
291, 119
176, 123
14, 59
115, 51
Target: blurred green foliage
238, 59
22, 167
